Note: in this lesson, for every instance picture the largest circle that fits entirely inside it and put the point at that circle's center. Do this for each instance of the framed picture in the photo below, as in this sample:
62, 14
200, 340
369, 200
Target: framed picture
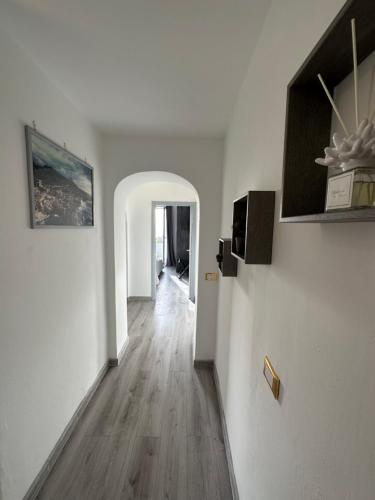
61, 185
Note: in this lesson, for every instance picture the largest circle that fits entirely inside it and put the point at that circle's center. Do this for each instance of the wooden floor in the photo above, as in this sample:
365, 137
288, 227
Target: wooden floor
152, 430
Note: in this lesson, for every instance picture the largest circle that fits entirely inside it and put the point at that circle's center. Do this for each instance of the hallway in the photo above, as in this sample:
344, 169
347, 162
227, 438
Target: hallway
152, 430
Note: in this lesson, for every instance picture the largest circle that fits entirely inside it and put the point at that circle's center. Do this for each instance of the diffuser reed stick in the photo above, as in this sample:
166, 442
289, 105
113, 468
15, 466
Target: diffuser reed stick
355, 72
333, 104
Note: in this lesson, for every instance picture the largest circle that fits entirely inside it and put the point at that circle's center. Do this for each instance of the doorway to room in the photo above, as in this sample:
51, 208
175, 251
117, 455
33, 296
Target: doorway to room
173, 241
134, 244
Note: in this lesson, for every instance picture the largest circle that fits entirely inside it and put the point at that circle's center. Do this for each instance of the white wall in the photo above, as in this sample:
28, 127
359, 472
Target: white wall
138, 217
312, 311
199, 161
52, 308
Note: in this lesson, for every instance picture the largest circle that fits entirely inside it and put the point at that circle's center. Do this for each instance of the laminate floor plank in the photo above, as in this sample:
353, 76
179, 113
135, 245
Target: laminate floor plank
156, 391
141, 474
152, 430
198, 418
173, 448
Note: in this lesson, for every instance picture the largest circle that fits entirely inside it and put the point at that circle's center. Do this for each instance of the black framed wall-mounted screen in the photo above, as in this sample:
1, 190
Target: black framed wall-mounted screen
61, 185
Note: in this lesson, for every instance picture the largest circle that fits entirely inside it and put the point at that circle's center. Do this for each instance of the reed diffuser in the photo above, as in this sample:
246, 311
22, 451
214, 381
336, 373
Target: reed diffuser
351, 160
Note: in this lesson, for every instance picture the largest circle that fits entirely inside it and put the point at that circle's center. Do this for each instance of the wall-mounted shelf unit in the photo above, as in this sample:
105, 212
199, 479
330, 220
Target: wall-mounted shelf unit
225, 260
309, 115
252, 229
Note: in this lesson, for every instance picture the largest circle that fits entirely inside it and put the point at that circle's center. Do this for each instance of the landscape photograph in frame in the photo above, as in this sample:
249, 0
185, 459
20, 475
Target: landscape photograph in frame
60, 184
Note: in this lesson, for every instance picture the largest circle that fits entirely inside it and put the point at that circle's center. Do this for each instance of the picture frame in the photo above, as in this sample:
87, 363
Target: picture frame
61, 185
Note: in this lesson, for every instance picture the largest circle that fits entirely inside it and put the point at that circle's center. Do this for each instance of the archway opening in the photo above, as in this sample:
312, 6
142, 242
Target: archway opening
135, 200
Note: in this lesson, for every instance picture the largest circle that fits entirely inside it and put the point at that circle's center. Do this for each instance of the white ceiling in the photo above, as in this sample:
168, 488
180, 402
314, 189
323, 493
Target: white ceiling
142, 66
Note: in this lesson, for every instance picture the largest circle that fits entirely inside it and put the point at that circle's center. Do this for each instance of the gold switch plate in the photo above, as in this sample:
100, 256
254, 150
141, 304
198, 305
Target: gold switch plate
271, 377
211, 276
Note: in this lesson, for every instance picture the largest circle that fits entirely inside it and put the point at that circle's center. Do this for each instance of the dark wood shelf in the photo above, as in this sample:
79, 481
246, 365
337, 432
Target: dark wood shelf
252, 229
309, 116
358, 215
225, 260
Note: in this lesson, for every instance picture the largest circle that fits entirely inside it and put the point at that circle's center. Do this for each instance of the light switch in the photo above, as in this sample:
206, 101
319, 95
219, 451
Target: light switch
271, 377
211, 276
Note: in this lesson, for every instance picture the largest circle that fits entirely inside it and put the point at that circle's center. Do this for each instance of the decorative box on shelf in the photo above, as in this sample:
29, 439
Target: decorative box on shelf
252, 228
308, 125
351, 154
351, 189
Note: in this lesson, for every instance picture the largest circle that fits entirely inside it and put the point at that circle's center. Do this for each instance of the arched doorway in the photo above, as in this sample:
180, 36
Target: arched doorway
164, 187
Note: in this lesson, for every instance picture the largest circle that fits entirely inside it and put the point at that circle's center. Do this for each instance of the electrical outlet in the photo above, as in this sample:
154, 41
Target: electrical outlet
211, 276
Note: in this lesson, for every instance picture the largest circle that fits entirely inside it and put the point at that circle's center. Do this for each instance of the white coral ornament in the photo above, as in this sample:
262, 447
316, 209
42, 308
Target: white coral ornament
356, 150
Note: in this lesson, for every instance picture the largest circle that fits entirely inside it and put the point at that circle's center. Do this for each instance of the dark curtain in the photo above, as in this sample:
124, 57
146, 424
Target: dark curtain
183, 239
171, 256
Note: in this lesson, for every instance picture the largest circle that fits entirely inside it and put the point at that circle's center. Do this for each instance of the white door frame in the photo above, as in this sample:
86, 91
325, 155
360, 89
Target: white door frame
193, 243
